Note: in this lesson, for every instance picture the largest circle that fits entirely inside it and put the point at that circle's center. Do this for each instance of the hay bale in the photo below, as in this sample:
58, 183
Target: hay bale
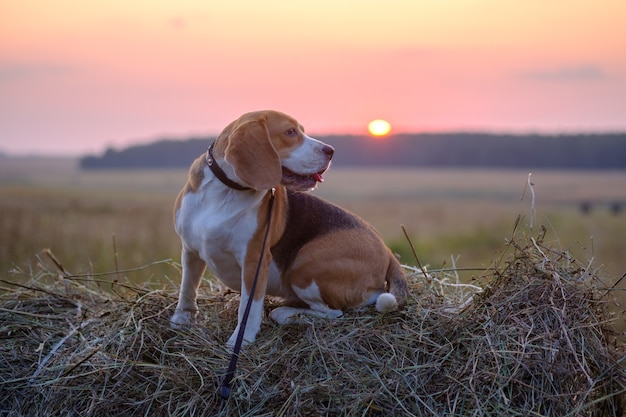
536, 341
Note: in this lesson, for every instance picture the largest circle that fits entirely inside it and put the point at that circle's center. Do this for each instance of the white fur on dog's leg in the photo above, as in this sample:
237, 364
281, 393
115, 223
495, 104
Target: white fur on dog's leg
386, 302
248, 337
230, 344
181, 319
253, 325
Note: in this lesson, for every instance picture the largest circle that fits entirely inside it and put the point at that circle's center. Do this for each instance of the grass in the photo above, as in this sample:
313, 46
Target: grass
103, 221
78, 215
84, 230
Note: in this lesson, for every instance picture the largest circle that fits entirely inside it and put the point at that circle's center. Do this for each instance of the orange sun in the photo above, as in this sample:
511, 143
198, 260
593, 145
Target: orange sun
379, 128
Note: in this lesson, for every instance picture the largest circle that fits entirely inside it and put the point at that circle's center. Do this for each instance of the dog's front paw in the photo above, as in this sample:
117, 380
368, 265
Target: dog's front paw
248, 338
182, 318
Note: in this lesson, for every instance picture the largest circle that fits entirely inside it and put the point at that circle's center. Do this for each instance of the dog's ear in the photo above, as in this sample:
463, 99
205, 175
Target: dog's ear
251, 153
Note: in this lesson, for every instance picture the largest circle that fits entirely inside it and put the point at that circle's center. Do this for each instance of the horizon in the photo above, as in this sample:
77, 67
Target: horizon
365, 136
114, 74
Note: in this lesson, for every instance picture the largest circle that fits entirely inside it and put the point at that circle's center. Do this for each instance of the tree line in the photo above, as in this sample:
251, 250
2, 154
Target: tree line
445, 150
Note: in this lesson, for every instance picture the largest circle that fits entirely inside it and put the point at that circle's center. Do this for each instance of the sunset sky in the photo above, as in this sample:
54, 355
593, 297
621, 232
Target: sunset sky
78, 76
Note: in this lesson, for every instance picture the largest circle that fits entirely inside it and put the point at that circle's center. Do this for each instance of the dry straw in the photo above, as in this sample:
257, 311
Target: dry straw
530, 337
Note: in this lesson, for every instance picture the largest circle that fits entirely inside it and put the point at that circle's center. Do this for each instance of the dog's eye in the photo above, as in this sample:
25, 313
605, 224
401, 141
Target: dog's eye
291, 132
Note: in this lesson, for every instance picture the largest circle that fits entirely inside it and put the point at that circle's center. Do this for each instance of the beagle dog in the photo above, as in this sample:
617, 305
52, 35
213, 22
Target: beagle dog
319, 259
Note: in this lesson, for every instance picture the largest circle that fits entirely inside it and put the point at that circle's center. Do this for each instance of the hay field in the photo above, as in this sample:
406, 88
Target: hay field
89, 273
96, 221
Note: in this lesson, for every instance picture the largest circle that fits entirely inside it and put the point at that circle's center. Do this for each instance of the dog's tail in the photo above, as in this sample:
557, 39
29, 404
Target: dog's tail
397, 287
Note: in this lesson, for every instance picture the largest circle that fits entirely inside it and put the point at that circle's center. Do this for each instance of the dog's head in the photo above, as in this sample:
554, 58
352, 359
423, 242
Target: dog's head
267, 148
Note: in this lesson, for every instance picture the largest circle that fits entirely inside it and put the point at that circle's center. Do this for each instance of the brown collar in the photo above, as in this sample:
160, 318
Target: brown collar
220, 174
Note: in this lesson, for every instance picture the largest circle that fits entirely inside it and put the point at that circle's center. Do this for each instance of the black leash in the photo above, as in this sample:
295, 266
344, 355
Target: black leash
232, 366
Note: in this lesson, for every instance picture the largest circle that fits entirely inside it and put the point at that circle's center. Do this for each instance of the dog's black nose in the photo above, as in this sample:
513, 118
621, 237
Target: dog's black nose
328, 150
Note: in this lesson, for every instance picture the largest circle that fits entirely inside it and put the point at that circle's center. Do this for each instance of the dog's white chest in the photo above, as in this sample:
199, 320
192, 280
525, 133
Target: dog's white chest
219, 229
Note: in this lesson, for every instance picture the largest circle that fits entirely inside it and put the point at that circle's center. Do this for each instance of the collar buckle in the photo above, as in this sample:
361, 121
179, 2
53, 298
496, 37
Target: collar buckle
220, 174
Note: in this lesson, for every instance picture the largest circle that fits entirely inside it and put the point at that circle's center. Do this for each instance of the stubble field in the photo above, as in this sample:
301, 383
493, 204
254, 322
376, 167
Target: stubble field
107, 221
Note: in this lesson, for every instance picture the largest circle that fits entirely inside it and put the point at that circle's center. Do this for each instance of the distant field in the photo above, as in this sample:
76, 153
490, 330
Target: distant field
50, 203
